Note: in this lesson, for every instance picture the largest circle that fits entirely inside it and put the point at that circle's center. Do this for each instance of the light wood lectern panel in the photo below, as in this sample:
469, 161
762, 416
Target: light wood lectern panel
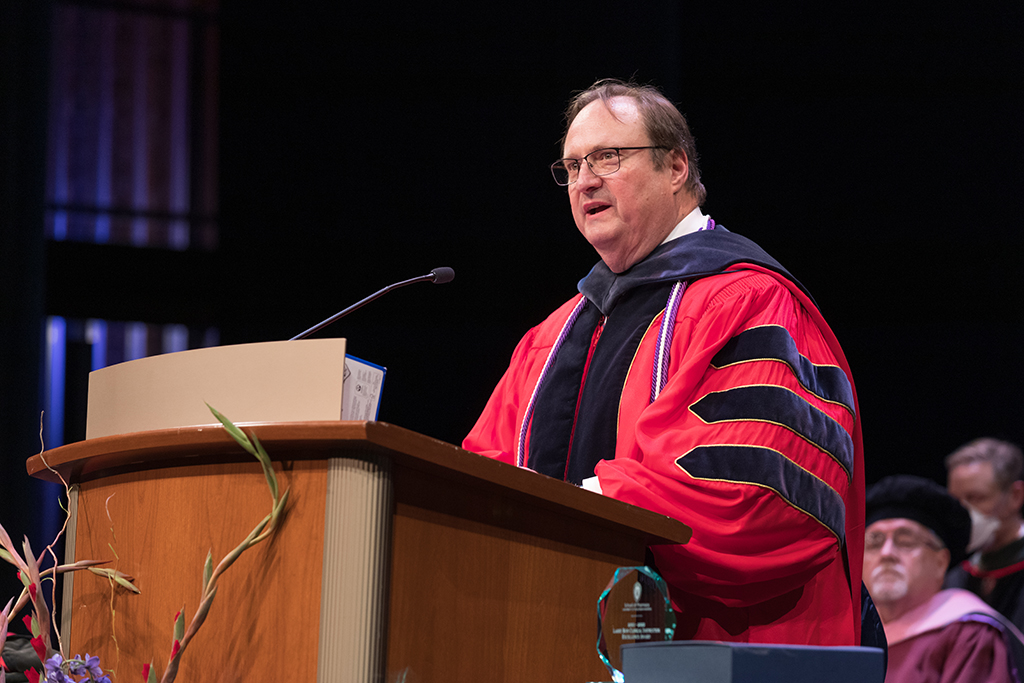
400, 557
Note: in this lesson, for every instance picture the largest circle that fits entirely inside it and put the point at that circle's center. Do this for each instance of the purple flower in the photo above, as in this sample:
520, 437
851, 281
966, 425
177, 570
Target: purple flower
53, 672
89, 666
79, 666
76, 666
52, 664
93, 665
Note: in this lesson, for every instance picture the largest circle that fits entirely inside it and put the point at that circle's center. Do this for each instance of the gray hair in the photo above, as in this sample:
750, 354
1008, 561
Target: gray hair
1005, 457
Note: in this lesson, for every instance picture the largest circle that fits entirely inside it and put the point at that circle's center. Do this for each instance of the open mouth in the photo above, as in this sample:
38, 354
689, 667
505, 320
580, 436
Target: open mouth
593, 211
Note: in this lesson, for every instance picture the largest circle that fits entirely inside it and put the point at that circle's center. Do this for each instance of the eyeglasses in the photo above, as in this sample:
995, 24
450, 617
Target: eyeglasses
903, 540
601, 162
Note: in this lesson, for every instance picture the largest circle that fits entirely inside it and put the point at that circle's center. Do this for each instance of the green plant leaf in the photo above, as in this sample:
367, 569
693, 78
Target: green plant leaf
121, 581
210, 573
234, 431
279, 508
116, 576
207, 569
268, 467
179, 625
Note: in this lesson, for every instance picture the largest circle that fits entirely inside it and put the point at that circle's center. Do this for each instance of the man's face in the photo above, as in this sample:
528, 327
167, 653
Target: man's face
903, 563
974, 484
626, 214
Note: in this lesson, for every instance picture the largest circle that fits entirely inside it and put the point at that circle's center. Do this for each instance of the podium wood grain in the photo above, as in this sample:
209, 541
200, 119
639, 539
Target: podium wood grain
161, 524
492, 573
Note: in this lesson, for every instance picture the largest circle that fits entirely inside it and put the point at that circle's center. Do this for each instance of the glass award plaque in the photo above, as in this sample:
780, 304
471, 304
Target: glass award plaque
633, 608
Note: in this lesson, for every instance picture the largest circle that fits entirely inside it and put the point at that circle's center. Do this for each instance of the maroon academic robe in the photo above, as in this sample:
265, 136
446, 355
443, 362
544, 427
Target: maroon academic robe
946, 640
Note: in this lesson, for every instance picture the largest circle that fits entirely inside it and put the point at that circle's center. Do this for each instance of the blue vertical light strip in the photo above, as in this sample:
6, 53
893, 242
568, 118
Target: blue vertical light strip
140, 131
105, 126
178, 237
175, 338
60, 124
56, 347
49, 511
135, 341
96, 335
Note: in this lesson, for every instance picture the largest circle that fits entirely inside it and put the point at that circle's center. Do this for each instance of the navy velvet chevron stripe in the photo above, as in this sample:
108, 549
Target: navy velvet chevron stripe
782, 407
768, 468
773, 342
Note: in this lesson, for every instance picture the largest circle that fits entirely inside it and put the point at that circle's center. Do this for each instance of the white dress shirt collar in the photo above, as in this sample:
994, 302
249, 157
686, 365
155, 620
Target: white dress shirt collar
692, 222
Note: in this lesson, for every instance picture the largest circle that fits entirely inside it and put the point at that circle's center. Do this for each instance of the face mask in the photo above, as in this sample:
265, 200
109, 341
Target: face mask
983, 529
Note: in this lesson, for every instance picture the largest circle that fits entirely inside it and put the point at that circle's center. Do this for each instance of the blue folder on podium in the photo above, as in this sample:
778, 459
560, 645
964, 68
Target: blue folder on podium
716, 662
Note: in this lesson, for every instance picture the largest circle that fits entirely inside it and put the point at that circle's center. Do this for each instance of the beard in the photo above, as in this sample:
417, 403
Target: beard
888, 583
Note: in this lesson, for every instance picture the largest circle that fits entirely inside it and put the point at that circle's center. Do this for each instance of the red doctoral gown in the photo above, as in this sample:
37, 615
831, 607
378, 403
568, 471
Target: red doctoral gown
753, 442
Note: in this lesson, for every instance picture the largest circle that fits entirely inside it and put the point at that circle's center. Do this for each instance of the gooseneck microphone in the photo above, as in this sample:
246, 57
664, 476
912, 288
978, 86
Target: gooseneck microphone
438, 276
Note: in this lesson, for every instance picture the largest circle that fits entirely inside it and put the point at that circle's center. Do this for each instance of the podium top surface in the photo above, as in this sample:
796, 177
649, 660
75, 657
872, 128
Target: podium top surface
183, 446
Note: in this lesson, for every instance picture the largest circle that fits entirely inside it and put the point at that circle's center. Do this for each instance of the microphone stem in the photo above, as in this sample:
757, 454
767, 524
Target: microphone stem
360, 304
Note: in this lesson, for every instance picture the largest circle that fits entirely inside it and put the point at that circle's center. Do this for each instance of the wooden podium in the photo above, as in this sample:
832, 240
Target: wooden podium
400, 558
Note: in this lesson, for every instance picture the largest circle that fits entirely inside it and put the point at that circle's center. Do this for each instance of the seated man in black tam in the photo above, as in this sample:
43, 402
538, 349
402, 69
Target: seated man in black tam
914, 530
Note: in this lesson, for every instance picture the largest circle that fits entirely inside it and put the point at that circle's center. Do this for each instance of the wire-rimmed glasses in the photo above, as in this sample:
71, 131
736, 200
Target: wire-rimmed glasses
903, 540
601, 161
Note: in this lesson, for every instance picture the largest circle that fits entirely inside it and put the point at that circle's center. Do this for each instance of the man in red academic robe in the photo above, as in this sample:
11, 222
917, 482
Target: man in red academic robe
695, 377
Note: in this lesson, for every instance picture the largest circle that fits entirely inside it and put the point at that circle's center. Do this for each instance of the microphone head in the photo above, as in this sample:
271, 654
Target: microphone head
442, 275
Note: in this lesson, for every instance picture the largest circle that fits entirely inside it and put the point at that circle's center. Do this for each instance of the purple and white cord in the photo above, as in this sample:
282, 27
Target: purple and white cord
661, 356
659, 375
566, 328
668, 326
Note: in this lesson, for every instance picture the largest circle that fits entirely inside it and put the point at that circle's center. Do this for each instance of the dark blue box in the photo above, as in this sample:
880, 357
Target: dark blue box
715, 662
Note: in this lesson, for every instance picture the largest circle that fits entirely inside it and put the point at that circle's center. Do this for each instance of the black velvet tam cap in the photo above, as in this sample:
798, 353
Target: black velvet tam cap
925, 502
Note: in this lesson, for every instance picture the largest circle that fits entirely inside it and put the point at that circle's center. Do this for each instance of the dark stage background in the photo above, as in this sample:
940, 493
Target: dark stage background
875, 152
